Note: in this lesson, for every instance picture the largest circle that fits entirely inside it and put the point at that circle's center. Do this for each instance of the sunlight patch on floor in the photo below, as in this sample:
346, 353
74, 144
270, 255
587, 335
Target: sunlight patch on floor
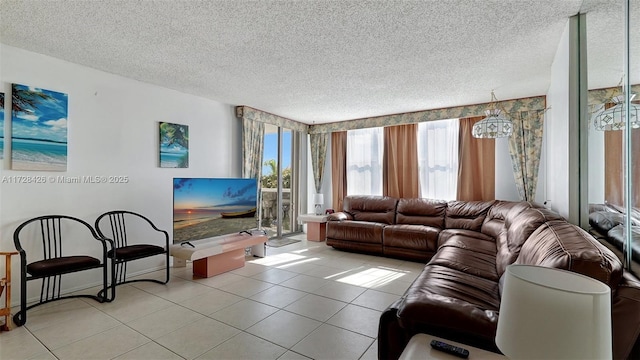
273, 260
308, 249
297, 262
372, 278
338, 274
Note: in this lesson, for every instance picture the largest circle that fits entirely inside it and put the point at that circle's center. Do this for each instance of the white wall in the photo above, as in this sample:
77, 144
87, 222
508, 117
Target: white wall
113, 130
565, 126
557, 129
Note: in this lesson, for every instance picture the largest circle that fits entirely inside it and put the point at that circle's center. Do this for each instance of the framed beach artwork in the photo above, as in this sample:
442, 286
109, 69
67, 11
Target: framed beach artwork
174, 145
1, 125
38, 129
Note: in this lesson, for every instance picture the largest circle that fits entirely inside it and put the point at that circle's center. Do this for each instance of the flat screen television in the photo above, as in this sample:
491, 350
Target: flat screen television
209, 207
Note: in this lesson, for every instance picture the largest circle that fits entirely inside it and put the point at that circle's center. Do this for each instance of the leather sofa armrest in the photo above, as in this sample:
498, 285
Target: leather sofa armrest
626, 328
392, 338
339, 216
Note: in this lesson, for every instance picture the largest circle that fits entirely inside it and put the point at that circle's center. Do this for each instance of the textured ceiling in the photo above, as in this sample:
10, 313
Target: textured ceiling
316, 61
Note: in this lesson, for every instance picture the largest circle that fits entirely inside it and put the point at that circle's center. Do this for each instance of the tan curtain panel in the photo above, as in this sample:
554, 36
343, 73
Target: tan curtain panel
400, 162
613, 168
476, 164
613, 162
338, 168
635, 170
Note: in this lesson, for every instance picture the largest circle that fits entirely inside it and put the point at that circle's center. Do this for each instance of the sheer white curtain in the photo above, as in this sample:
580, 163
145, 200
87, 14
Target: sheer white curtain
364, 161
438, 159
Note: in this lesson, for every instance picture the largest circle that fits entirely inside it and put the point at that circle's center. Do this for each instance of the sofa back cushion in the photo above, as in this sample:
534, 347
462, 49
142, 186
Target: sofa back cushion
380, 209
426, 212
494, 222
559, 244
603, 221
635, 213
467, 215
520, 223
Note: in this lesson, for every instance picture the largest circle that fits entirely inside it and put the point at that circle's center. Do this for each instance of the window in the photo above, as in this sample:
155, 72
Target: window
438, 159
364, 161
279, 198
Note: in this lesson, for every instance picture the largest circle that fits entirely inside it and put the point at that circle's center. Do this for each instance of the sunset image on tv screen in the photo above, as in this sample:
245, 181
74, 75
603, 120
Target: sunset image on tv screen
208, 207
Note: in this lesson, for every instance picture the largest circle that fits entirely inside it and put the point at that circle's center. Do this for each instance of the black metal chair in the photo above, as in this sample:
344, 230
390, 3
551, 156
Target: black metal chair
113, 225
56, 245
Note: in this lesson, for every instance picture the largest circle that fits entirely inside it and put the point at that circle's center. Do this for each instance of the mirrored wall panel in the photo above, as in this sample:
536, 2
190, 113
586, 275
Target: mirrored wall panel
613, 142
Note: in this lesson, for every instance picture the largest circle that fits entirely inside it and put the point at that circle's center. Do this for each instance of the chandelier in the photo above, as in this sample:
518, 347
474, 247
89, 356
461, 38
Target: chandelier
495, 125
614, 117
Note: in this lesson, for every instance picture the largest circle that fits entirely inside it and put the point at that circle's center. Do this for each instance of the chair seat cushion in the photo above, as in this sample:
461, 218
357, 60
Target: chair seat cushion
61, 265
136, 251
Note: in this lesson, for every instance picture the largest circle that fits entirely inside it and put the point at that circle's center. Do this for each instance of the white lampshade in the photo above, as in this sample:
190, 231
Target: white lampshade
548, 313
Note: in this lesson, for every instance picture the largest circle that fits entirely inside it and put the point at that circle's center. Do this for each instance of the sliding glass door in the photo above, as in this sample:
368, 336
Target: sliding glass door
279, 181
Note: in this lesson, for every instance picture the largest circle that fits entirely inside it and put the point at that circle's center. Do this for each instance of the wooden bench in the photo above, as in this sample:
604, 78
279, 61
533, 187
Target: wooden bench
216, 255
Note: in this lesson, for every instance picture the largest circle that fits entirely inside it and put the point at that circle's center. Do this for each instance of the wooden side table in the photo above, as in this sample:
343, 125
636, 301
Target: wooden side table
5, 283
316, 226
419, 347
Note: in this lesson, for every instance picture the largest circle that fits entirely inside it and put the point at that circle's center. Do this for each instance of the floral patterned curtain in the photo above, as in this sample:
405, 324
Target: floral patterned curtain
525, 146
252, 148
318, 143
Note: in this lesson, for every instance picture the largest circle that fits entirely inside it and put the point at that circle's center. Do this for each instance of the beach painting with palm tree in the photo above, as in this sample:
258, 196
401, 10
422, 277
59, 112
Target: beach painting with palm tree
174, 145
1, 125
38, 129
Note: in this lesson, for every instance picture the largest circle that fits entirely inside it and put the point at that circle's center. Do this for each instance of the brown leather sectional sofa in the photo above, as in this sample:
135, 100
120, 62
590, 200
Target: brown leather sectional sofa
466, 247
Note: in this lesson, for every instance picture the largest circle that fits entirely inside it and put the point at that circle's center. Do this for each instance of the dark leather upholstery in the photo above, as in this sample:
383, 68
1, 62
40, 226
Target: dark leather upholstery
136, 251
466, 214
519, 226
603, 221
562, 245
616, 238
372, 208
466, 247
360, 226
61, 265
421, 212
413, 242
607, 224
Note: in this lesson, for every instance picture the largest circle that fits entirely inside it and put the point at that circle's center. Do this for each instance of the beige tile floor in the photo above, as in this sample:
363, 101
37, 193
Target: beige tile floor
301, 301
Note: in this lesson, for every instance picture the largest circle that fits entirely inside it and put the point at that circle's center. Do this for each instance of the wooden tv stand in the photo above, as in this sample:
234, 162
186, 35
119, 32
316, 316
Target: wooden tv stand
216, 255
